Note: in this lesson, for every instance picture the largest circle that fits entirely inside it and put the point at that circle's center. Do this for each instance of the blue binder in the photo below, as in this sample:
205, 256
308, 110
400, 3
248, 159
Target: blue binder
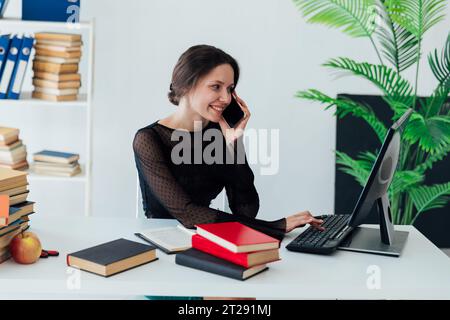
4, 47
16, 44
51, 10
3, 5
20, 68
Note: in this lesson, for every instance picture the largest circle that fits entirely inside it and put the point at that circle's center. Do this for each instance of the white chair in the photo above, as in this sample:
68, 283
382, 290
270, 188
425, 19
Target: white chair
139, 206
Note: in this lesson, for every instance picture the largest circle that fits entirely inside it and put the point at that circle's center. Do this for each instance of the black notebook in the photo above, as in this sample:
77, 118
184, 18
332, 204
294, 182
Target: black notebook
112, 257
196, 259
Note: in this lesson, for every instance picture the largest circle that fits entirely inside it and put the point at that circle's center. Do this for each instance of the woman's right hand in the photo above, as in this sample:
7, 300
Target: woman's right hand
300, 219
232, 134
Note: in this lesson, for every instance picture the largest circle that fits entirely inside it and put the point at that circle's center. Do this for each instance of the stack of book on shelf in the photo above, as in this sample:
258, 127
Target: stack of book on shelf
13, 153
15, 53
55, 66
14, 208
230, 249
56, 163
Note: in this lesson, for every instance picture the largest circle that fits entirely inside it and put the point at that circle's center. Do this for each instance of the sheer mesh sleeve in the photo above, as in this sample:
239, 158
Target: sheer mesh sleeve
152, 162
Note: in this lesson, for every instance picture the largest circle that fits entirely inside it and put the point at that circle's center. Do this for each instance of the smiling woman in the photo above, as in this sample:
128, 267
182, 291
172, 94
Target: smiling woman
202, 87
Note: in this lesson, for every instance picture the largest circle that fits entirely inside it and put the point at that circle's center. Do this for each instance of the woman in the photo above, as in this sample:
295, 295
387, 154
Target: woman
203, 83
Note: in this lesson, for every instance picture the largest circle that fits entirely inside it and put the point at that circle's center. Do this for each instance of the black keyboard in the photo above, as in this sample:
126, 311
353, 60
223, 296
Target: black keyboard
325, 242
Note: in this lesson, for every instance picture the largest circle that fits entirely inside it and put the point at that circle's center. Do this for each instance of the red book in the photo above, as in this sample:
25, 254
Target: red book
4, 210
245, 259
237, 237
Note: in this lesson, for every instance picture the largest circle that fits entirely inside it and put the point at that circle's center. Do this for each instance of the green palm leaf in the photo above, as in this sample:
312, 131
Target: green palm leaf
355, 17
417, 16
430, 197
441, 66
404, 180
345, 107
367, 159
352, 167
434, 104
438, 155
399, 46
431, 133
397, 89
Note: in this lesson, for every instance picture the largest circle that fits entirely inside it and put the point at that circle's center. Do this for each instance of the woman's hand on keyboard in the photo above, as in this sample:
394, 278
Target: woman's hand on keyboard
300, 219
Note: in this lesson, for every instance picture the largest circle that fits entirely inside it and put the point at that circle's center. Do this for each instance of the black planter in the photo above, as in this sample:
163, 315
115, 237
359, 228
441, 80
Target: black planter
355, 135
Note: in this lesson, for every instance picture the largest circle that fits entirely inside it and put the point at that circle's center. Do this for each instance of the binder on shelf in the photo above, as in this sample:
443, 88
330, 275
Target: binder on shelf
51, 10
4, 48
20, 68
3, 5
16, 44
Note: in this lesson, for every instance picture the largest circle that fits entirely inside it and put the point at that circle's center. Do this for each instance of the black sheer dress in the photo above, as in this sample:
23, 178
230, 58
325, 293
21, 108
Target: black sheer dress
184, 191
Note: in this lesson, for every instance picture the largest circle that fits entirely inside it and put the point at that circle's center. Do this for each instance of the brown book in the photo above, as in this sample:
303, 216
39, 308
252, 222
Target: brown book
54, 36
59, 54
8, 141
5, 239
57, 60
22, 197
13, 185
56, 84
8, 133
11, 146
4, 257
15, 191
14, 156
55, 67
3, 251
25, 209
57, 173
10, 178
51, 97
22, 165
53, 48
56, 92
65, 44
57, 77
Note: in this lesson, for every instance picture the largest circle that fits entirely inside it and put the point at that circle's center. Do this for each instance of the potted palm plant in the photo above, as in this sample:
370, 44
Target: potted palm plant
395, 29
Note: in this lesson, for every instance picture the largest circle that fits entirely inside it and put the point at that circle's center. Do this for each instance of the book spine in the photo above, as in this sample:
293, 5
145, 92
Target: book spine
202, 244
208, 266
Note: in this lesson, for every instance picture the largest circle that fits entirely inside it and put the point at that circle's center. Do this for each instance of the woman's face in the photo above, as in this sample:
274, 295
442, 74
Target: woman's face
212, 93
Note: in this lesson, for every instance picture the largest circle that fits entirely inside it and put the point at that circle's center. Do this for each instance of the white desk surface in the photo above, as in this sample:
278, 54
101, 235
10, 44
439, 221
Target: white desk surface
422, 272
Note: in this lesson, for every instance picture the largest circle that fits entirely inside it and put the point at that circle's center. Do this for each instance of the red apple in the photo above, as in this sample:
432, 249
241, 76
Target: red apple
25, 248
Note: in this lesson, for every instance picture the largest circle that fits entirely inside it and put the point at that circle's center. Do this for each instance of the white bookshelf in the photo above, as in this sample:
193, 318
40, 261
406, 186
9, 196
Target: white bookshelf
82, 177
26, 101
66, 110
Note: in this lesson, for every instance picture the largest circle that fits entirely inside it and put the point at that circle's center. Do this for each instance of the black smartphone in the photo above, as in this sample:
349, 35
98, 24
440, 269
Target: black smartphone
233, 113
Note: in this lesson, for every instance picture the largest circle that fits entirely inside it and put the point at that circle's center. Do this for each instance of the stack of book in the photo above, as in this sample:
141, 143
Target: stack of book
13, 153
230, 249
56, 163
14, 208
55, 66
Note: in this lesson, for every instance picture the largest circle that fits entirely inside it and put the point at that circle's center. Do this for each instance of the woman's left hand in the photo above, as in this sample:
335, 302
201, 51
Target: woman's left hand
232, 134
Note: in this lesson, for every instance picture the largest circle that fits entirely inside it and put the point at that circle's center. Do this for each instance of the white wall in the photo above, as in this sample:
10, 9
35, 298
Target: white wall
137, 45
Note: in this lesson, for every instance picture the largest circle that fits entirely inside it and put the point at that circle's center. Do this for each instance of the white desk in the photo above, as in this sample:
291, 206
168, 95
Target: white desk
422, 272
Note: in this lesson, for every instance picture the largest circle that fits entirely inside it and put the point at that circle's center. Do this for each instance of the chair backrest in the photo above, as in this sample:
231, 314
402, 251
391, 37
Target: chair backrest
139, 206
221, 202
